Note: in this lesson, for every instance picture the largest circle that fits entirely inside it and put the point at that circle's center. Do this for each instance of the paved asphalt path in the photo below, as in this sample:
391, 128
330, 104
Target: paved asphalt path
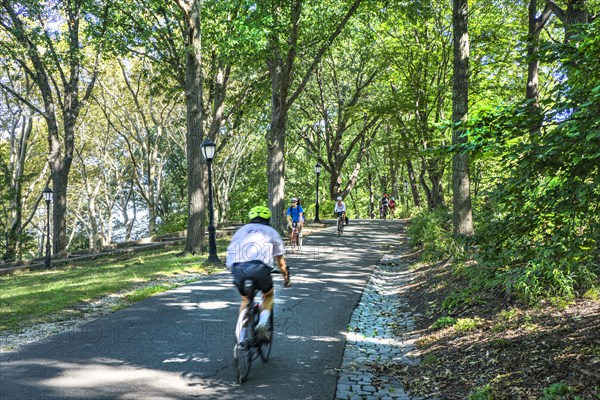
179, 344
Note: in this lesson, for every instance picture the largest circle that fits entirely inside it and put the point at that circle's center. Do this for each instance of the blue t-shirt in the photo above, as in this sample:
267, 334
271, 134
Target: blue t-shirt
295, 213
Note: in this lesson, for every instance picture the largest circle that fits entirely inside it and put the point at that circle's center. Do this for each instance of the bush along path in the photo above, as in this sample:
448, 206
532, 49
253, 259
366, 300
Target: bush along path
380, 332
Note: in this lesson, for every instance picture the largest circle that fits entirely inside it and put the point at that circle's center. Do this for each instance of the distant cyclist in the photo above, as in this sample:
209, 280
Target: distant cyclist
254, 250
295, 217
385, 203
392, 206
340, 207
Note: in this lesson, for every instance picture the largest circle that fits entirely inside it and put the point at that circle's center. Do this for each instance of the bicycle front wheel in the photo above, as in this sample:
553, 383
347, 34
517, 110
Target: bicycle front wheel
294, 239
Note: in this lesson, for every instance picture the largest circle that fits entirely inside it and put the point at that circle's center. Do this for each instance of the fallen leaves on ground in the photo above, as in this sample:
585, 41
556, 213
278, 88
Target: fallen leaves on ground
514, 352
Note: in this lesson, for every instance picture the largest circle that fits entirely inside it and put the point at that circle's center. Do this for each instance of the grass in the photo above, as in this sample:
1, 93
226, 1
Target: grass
39, 296
141, 294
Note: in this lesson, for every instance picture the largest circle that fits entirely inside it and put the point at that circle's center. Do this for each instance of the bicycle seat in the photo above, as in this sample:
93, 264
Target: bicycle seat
249, 287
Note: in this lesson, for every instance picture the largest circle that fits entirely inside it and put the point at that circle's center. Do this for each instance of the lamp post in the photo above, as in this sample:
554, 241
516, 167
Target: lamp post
318, 172
47, 192
406, 193
208, 151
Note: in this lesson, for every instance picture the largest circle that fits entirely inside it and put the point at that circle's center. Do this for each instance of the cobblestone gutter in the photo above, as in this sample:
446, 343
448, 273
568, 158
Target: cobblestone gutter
377, 335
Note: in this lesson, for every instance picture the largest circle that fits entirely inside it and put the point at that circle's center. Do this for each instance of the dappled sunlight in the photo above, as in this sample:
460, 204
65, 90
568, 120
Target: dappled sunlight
206, 288
301, 338
375, 340
111, 378
327, 339
336, 275
180, 359
184, 306
183, 358
304, 279
214, 305
343, 280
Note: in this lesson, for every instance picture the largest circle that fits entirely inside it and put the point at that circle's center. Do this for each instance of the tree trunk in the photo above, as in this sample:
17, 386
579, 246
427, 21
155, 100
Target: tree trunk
371, 196
95, 241
60, 165
532, 91
18, 152
335, 182
276, 163
462, 212
425, 186
194, 104
412, 181
435, 193
576, 13
532, 50
60, 181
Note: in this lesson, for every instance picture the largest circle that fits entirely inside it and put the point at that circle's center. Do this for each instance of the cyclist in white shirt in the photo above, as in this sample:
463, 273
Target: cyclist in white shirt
340, 207
254, 251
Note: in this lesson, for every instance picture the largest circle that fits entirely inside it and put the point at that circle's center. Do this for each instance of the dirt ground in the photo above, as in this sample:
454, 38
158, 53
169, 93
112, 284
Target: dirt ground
500, 351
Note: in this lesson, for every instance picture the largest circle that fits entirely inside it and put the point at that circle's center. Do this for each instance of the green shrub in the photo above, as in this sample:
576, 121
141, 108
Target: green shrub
592, 294
557, 391
482, 393
174, 223
467, 324
443, 322
432, 230
430, 359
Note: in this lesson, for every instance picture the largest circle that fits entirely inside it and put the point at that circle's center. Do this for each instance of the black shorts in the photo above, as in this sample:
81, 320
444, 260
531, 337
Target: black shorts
256, 271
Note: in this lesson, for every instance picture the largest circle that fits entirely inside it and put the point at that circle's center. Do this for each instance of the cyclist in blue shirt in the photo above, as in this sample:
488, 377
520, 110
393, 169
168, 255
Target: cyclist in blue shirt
295, 217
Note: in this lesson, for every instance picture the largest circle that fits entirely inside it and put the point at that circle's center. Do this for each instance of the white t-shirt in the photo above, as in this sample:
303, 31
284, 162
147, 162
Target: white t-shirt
339, 208
254, 242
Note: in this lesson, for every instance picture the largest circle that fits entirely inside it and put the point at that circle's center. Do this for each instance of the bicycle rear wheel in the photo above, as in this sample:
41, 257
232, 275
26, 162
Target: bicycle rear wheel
265, 348
242, 361
242, 351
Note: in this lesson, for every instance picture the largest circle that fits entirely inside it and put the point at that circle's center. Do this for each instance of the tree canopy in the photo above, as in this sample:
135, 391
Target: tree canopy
108, 103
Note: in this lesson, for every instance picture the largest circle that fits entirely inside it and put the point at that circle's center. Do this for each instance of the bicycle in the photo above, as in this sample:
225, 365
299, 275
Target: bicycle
392, 212
296, 237
247, 346
341, 222
383, 211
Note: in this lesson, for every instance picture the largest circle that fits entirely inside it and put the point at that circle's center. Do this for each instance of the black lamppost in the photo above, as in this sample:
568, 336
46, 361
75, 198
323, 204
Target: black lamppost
406, 193
318, 172
208, 151
47, 192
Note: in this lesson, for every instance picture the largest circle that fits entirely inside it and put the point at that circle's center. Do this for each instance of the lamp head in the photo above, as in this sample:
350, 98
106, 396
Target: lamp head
47, 192
208, 149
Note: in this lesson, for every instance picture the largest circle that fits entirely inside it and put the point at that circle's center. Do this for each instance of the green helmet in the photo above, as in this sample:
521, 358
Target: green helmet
259, 212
